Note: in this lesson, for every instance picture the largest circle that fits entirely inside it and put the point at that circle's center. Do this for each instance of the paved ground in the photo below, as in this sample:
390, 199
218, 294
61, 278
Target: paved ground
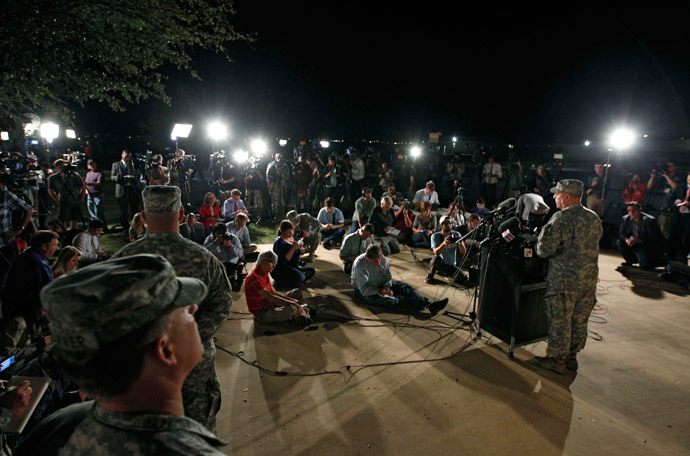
381, 383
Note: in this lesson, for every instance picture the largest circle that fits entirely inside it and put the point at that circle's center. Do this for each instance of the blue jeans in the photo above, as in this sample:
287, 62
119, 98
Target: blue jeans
96, 206
291, 275
332, 235
404, 298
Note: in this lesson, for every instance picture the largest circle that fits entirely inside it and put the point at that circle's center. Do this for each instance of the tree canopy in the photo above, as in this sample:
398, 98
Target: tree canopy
55, 52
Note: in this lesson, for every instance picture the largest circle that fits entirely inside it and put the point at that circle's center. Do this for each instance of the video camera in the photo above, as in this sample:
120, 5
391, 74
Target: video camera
74, 161
21, 172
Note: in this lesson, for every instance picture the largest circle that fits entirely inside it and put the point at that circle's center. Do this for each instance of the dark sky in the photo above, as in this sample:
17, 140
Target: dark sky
359, 72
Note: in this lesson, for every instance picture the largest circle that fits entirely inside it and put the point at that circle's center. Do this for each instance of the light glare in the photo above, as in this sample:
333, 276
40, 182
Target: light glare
217, 131
622, 138
49, 131
259, 147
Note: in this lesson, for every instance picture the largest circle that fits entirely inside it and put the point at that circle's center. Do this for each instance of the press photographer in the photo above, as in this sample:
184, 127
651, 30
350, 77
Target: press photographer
67, 189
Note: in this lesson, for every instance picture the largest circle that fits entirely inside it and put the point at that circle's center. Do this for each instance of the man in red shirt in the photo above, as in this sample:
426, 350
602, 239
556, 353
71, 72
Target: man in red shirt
267, 305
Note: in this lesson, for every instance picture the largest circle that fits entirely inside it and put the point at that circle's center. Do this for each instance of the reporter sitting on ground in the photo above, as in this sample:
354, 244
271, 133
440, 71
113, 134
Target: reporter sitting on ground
428, 193
192, 229
218, 230
445, 246
640, 239
308, 229
228, 249
373, 284
12, 405
287, 271
137, 228
238, 227
424, 226
135, 366
89, 244
364, 206
356, 244
268, 305
382, 219
67, 261
332, 223
234, 205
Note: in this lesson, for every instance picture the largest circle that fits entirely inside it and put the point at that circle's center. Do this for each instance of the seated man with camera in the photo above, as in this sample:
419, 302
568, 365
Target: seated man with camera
446, 244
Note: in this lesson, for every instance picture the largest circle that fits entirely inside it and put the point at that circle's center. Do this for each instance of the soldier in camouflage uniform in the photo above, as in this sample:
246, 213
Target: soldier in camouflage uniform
277, 177
306, 223
571, 242
124, 330
201, 390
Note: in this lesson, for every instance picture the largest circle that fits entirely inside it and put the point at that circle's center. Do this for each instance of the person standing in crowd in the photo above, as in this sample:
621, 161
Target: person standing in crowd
309, 231
127, 191
277, 176
95, 182
163, 213
445, 245
179, 176
303, 179
134, 367
640, 239
680, 234
364, 206
332, 223
8, 245
192, 229
266, 304
159, 173
67, 190
662, 186
492, 173
287, 271
515, 179
570, 240
542, 185
354, 245
89, 244
595, 192
635, 190
209, 212
371, 278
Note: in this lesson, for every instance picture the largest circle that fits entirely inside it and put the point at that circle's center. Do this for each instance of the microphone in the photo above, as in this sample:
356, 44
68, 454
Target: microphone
508, 227
504, 207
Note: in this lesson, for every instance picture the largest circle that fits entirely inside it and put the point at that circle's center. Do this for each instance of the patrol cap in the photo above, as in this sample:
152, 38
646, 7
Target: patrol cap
103, 302
161, 199
572, 186
445, 218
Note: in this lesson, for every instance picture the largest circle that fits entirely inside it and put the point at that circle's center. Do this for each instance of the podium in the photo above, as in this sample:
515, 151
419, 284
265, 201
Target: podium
511, 297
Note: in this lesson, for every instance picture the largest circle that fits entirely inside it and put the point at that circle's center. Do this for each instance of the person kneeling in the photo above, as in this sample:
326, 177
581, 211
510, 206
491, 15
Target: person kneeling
266, 304
445, 246
373, 284
356, 244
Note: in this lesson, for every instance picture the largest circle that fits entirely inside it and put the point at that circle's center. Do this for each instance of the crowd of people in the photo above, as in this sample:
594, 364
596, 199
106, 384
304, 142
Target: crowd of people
116, 326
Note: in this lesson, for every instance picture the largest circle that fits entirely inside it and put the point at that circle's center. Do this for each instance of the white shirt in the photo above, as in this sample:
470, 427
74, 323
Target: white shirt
422, 195
88, 244
495, 170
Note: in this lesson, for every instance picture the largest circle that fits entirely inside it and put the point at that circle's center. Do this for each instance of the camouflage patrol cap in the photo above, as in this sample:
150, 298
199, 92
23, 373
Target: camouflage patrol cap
161, 199
572, 186
103, 302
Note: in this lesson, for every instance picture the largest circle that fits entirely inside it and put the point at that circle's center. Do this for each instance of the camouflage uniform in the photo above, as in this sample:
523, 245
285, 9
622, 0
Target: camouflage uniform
277, 175
312, 226
571, 242
201, 389
106, 432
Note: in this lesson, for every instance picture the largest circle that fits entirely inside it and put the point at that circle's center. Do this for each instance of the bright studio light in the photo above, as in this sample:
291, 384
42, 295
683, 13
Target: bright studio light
587, 143
181, 130
217, 131
71, 134
622, 138
49, 131
282, 142
415, 151
324, 144
5, 136
240, 155
259, 147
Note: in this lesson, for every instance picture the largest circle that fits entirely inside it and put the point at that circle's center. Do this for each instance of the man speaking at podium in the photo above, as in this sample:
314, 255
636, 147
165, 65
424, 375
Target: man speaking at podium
570, 240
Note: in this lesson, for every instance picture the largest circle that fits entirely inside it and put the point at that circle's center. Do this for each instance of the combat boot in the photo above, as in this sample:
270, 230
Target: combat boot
571, 362
549, 363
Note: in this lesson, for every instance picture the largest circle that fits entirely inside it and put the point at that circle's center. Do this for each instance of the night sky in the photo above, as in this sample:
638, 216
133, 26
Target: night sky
359, 72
